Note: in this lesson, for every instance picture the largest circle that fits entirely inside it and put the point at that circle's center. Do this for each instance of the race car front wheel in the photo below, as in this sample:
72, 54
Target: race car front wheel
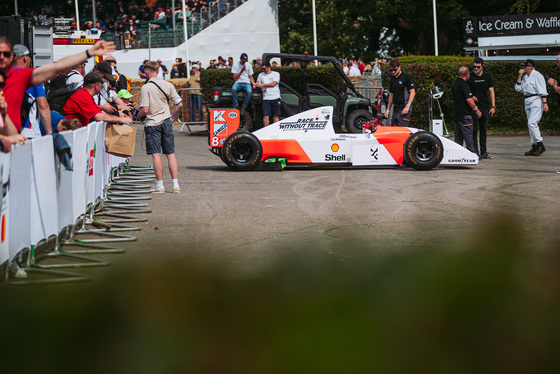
423, 150
242, 151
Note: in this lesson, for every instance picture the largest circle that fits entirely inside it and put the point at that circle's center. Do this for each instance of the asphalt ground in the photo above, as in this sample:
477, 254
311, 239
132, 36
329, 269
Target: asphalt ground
245, 221
315, 271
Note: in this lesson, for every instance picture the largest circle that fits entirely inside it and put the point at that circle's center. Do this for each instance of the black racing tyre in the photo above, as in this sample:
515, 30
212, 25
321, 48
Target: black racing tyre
242, 151
356, 120
222, 149
423, 150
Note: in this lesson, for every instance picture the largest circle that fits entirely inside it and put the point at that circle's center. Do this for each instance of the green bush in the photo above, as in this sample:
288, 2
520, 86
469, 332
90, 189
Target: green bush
427, 71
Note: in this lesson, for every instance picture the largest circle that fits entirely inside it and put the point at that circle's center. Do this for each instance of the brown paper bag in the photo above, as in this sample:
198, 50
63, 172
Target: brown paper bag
120, 140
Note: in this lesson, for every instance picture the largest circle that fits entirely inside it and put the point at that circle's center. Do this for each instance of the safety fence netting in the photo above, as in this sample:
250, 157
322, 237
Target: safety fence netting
57, 215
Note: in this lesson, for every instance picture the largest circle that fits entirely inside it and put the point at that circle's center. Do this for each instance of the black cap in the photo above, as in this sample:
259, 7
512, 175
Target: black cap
106, 69
529, 62
244, 57
92, 78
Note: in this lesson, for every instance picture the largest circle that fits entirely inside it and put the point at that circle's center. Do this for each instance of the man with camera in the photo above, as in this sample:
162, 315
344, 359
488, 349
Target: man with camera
82, 107
158, 122
107, 99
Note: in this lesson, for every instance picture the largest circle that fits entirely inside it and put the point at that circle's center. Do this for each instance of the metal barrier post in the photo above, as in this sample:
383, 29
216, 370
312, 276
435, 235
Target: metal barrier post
186, 110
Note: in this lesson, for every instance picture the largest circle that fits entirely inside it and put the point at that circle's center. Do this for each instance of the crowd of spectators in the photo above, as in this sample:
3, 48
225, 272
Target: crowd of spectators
360, 68
73, 99
127, 19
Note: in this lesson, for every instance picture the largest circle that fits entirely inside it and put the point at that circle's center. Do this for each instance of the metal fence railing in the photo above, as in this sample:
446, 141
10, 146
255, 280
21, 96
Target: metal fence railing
369, 86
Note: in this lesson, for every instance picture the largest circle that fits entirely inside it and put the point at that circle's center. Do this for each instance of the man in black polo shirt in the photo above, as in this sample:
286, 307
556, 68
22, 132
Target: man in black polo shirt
402, 94
463, 106
481, 83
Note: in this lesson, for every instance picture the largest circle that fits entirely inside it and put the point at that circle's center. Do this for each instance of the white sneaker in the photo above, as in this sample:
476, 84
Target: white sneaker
177, 189
156, 189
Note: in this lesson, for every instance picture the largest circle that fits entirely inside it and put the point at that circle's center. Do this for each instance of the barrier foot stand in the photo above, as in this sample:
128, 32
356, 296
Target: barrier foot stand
121, 217
118, 218
129, 179
130, 187
140, 172
124, 209
116, 185
188, 127
108, 237
54, 276
112, 225
33, 260
140, 193
139, 167
90, 248
125, 205
59, 253
128, 197
63, 277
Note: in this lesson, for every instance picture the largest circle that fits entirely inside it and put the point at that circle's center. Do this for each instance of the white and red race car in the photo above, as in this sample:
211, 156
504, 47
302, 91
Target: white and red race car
308, 139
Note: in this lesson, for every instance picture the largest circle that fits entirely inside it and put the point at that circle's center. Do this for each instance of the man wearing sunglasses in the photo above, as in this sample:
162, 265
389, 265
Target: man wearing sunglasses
401, 96
481, 83
268, 81
19, 80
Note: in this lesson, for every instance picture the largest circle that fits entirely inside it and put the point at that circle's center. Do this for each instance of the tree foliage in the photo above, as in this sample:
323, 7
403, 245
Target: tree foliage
354, 28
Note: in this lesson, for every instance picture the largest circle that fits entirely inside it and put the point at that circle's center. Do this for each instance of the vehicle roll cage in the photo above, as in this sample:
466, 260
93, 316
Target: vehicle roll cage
305, 59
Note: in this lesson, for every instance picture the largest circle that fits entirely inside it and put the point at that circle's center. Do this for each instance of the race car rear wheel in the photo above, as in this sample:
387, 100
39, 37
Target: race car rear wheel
242, 151
356, 120
423, 150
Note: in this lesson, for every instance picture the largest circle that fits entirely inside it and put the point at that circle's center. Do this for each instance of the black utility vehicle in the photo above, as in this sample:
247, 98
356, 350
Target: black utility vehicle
351, 109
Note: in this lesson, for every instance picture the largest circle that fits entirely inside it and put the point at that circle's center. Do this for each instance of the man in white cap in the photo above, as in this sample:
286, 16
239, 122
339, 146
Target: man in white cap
533, 86
244, 81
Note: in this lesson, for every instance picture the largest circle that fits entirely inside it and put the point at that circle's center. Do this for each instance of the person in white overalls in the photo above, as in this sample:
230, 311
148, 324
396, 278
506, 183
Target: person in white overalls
533, 86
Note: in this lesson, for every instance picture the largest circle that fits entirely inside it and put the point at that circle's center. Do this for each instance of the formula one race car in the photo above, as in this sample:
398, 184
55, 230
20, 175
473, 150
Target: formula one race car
308, 139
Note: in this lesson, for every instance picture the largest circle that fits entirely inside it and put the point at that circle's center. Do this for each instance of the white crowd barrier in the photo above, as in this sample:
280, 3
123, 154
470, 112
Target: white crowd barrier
40, 198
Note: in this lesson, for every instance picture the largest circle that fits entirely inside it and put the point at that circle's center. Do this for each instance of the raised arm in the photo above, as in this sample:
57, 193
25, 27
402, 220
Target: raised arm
49, 71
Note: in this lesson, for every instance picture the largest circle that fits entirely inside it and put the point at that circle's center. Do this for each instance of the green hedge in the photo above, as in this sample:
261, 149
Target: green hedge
427, 71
